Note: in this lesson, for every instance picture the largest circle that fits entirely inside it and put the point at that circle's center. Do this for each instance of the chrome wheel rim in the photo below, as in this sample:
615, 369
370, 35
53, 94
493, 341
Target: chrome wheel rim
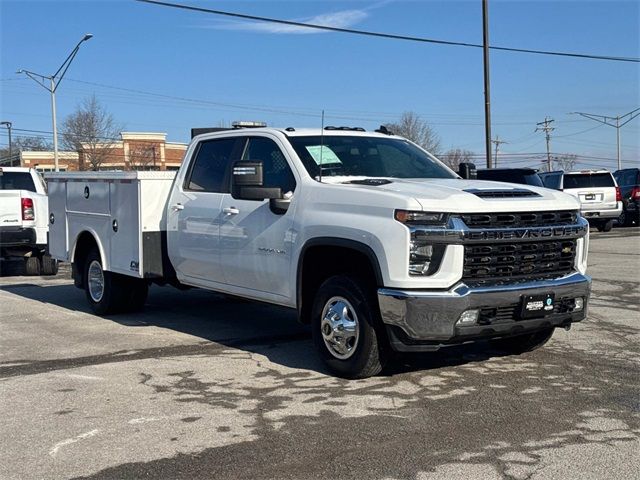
96, 281
340, 328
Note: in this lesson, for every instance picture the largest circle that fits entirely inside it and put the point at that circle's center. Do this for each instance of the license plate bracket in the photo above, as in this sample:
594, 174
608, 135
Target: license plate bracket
535, 306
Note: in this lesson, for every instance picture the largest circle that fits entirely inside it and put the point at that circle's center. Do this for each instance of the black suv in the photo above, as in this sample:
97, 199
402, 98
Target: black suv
628, 180
526, 176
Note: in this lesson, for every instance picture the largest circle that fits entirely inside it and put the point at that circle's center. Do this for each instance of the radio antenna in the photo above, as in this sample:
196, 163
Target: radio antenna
321, 145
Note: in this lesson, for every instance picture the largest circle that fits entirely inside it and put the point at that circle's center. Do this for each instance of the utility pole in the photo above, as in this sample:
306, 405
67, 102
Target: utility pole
609, 121
547, 129
54, 82
497, 143
487, 89
9, 125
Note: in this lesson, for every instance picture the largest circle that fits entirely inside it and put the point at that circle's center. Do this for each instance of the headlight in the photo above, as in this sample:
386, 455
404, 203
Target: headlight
421, 218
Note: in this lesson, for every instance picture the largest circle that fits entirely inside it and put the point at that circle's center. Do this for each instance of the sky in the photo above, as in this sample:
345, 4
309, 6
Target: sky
168, 70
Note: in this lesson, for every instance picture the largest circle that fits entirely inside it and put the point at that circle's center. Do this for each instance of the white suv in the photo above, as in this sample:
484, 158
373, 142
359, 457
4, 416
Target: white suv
599, 195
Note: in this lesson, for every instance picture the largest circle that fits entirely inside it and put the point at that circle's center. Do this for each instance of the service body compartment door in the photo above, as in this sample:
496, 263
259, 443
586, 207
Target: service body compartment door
58, 235
88, 196
125, 227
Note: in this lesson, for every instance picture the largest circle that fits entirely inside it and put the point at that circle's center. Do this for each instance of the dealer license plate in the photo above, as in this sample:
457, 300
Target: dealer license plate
537, 305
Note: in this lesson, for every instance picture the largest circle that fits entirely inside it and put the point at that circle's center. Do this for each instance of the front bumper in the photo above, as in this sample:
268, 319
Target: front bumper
426, 320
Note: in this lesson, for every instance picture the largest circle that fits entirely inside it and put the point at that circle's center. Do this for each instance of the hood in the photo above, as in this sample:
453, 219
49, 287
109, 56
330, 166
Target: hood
457, 195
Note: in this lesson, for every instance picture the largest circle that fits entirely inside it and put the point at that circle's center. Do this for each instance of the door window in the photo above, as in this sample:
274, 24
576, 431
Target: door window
210, 169
276, 170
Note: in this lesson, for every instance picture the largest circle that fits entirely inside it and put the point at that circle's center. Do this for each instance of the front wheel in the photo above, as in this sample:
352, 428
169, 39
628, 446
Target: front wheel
522, 343
346, 329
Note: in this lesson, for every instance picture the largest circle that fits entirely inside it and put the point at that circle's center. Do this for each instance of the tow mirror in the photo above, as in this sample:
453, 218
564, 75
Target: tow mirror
247, 183
467, 170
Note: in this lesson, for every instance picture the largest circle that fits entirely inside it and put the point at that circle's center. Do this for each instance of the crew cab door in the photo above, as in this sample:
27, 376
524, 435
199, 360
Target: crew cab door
195, 214
255, 240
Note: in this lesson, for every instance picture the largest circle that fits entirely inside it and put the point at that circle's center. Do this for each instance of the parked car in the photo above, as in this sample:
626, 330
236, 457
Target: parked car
599, 195
629, 182
374, 242
525, 176
24, 220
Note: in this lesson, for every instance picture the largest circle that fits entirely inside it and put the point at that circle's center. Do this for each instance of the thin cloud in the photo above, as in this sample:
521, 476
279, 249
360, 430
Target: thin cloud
341, 19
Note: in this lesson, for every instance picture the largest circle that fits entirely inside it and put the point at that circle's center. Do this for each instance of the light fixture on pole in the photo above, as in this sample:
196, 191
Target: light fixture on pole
617, 125
9, 125
54, 82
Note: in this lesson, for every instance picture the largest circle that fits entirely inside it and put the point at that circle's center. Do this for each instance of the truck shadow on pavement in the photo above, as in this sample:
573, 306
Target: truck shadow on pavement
222, 321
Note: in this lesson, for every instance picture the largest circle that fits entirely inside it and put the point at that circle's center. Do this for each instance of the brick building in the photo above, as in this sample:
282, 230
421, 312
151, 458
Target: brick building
135, 151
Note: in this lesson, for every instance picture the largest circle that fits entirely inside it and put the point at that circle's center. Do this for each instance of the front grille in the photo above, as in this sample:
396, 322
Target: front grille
515, 261
519, 219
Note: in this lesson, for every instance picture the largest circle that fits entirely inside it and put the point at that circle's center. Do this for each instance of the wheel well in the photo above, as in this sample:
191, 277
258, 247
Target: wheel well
85, 243
319, 262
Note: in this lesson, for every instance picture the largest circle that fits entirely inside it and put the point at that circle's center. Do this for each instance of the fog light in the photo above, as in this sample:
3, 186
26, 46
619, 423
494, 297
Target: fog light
468, 317
578, 304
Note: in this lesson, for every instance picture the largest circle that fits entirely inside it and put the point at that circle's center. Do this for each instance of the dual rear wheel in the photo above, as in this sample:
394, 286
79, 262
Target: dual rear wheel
43, 265
109, 292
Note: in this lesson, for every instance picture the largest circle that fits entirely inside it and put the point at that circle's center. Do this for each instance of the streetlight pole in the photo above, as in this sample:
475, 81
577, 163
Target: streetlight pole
9, 125
487, 83
54, 83
609, 121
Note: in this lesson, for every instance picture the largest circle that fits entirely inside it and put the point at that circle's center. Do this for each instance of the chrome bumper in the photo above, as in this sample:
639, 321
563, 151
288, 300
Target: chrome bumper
426, 320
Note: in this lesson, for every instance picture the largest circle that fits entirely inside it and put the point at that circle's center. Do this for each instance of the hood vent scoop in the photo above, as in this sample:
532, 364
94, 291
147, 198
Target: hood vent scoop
506, 193
372, 182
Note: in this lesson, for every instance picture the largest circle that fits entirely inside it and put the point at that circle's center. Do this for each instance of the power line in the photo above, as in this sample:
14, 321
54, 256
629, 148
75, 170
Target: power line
605, 120
384, 35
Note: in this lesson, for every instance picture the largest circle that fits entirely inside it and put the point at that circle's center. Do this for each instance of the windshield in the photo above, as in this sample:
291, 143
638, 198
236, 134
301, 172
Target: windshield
16, 181
367, 157
588, 180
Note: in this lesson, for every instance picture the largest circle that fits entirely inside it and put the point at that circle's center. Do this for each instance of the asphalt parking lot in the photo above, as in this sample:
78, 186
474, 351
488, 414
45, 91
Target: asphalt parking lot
201, 386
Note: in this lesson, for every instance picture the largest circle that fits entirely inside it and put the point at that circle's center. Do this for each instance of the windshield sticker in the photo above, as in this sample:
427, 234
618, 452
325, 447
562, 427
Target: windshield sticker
328, 155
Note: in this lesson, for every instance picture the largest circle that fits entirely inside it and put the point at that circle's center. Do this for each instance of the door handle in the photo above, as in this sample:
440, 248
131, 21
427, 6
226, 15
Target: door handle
177, 206
230, 211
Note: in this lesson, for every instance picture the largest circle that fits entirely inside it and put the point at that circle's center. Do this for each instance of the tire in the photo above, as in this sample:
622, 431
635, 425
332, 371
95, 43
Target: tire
606, 226
48, 265
357, 354
32, 266
522, 343
106, 292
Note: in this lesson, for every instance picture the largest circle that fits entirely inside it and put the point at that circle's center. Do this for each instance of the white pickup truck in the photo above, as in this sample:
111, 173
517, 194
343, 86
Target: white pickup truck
378, 245
24, 220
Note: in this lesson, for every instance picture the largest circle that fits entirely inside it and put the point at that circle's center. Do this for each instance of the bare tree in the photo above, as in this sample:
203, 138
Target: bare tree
412, 127
565, 162
26, 144
92, 132
142, 156
455, 156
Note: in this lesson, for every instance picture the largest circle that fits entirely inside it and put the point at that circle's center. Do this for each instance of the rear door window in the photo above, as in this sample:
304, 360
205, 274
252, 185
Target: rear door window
211, 165
16, 181
595, 180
